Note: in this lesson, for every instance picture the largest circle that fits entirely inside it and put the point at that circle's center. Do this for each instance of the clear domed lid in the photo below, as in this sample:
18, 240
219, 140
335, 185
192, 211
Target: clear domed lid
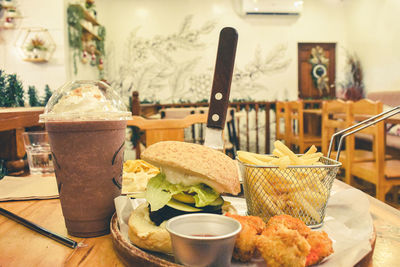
85, 101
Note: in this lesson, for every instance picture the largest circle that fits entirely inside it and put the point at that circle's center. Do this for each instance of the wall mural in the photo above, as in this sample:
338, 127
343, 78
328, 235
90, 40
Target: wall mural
168, 68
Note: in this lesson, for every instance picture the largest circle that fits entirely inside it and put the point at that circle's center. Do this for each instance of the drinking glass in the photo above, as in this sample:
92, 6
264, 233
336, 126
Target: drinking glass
38, 152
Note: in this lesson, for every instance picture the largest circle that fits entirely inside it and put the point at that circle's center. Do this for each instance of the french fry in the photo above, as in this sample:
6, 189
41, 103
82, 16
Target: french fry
277, 153
312, 150
248, 157
253, 158
263, 157
267, 203
283, 162
306, 206
285, 150
282, 187
315, 199
136, 174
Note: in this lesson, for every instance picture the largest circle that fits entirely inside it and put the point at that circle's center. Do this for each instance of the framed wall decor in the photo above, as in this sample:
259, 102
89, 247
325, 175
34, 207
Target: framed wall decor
316, 70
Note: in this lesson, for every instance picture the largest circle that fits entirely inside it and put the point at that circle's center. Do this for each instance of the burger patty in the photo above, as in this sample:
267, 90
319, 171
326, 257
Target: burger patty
167, 212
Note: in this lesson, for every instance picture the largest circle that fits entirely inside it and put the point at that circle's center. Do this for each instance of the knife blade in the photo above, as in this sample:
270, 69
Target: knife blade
221, 88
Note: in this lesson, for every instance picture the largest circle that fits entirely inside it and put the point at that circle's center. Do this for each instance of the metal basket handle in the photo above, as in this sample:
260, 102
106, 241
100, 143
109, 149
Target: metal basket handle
368, 122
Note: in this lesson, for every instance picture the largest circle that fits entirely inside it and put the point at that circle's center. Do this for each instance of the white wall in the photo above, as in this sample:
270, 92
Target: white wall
39, 13
321, 21
374, 32
370, 28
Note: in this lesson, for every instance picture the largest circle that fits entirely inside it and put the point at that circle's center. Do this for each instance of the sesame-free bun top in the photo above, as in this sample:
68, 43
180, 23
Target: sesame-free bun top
212, 167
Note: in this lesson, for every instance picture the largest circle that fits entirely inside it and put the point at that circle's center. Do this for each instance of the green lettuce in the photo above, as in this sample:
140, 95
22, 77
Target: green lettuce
159, 191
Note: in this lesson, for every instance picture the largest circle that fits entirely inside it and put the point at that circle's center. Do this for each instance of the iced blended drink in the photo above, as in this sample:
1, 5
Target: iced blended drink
86, 123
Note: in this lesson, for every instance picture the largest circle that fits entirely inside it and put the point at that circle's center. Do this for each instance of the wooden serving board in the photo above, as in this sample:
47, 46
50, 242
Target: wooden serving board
366, 261
131, 255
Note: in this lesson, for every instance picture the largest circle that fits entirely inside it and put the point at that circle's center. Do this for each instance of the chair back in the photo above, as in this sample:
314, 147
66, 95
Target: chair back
157, 130
197, 130
282, 121
336, 115
296, 122
376, 133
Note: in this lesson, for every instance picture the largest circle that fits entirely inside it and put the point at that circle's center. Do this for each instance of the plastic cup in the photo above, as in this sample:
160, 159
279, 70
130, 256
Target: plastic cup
86, 122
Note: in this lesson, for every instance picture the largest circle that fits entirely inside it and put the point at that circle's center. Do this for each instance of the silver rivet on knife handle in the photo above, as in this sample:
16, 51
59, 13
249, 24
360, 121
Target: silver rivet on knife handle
218, 96
215, 117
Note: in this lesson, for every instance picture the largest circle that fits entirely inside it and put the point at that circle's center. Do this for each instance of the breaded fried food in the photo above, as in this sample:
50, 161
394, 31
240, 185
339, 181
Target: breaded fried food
283, 241
290, 223
245, 245
321, 247
277, 237
281, 246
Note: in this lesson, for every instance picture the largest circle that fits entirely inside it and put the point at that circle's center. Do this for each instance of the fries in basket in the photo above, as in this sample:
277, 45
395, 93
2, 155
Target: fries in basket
286, 183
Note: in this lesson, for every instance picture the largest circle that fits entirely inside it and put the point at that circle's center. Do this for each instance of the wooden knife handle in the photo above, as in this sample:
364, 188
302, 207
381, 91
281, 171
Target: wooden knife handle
221, 86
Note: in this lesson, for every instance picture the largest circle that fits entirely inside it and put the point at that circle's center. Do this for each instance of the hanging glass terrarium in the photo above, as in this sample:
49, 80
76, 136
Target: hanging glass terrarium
36, 45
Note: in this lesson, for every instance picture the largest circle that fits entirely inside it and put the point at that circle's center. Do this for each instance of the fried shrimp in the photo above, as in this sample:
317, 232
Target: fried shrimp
245, 245
281, 246
321, 247
283, 241
290, 223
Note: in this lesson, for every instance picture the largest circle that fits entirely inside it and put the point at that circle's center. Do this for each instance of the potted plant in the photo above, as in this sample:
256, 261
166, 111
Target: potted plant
37, 48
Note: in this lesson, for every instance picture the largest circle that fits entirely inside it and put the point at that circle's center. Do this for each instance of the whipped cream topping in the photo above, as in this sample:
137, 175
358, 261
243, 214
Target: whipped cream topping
85, 99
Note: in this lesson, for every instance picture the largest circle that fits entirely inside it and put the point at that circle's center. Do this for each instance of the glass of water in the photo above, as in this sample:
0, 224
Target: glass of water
38, 152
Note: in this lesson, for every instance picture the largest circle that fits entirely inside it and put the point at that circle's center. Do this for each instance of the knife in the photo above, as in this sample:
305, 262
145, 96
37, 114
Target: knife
221, 88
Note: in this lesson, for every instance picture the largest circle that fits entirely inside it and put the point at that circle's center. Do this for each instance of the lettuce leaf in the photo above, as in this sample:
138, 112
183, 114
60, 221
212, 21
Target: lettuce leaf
159, 191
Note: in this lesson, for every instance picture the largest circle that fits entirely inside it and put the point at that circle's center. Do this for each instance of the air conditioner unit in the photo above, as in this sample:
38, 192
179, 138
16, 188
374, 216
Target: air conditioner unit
272, 7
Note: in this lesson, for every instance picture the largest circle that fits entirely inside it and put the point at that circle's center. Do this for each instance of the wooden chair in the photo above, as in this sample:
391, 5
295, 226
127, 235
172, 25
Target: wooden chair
337, 115
297, 134
157, 130
331, 124
282, 122
231, 144
383, 173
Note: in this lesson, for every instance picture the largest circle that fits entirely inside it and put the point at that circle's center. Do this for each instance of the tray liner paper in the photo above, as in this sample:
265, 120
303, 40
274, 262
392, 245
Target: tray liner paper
347, 222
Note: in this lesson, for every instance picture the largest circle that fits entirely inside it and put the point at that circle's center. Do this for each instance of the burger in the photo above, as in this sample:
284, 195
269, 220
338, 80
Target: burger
191, 180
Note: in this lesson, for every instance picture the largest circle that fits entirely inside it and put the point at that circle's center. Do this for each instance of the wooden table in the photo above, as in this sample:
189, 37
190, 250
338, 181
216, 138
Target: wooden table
12, 124
20, 246
14, 118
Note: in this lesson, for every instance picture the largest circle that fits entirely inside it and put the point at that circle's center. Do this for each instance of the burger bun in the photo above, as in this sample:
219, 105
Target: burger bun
145, 234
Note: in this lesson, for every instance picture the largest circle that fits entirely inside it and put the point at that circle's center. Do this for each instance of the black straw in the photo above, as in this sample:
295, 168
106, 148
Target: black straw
61, 239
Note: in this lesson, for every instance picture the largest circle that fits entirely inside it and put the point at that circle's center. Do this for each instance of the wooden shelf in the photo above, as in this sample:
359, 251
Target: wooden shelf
90, 32
90, 18
36, 60
87, 15
9, 7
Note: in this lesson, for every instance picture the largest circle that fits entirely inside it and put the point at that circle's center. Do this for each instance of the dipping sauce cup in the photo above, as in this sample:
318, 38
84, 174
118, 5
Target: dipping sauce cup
203, 239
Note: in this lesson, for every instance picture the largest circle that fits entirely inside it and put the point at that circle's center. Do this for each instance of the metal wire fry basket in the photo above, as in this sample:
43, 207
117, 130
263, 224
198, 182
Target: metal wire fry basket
299, 191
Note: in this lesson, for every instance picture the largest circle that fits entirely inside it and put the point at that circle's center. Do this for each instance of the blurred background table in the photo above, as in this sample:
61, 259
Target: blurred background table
13, 122
14, 118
